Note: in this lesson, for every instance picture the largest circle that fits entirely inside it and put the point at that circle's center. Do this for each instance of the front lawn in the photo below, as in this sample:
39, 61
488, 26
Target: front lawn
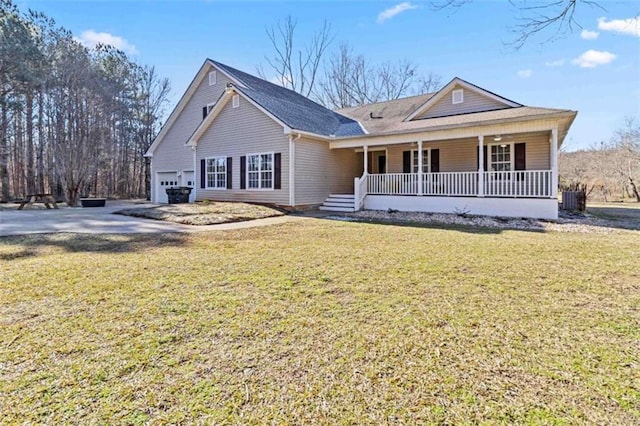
203, 213
321, 322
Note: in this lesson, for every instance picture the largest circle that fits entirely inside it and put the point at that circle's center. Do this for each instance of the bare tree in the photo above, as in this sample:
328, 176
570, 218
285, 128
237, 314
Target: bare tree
555, 16
295, 68
349, 80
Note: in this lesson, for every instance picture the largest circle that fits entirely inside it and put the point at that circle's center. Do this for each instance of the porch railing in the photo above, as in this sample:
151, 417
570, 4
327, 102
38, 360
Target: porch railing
450, 183
525, 183
393, 184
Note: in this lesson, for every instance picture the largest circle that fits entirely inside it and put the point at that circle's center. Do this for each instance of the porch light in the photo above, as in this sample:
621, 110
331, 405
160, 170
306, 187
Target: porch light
497, 138
504, 145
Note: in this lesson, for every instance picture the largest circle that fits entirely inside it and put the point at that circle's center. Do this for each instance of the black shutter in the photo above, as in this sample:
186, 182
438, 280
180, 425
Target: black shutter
204, 112
229, 172
520, 156
435, 160
243, 172
203, 174
406, 162
277, 171
484, 152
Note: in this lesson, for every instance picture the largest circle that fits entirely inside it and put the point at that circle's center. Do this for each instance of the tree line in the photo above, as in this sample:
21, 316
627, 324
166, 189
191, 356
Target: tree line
609, 171
74, 121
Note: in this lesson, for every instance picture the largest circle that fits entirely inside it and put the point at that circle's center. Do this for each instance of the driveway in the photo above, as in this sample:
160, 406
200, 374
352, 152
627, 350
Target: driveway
101, 220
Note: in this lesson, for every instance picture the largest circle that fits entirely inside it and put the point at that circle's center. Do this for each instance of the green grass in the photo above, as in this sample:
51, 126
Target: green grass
321, 322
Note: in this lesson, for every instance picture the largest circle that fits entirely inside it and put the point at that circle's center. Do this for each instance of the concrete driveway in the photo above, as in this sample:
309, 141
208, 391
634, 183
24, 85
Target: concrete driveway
101, 220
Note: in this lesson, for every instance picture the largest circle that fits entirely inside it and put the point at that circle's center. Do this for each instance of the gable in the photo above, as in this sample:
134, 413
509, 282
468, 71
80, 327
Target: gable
460, 97
472, 101
187, 115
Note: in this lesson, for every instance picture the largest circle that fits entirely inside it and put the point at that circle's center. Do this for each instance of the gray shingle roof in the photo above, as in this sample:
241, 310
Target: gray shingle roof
293, 109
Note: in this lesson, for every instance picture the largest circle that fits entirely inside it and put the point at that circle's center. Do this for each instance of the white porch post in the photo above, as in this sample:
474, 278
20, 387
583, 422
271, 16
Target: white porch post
481, 166
420, 171
366, 160
554, 162
292, 171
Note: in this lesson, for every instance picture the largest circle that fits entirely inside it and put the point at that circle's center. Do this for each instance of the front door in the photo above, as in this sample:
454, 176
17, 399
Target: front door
188, 180
382, 163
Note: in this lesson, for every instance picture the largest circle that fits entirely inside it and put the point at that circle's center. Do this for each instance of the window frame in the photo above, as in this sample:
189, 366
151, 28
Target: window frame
215, 174
260, 171
453, 96
426, 168
214, 80
490, 161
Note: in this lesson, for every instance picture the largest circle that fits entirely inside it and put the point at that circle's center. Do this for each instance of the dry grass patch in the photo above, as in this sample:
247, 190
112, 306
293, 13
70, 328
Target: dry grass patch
321, 322
204, 213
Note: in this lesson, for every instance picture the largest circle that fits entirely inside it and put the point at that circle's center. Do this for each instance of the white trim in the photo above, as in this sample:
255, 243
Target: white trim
460, 82
449, 132
459, 92
213, 77
206, 173
235, 101
418, 151
210, 106
480, 165
512, 161
554, 162
259, 171
292, 169
195, 178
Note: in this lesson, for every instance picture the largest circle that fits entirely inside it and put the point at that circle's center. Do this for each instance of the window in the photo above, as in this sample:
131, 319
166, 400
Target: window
500, 158
457, 96
207, 109
425, 161
236, 101
217, 173
212, 78
260, 171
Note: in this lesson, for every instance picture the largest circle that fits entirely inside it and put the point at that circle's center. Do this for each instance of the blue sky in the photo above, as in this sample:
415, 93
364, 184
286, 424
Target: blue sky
595, 69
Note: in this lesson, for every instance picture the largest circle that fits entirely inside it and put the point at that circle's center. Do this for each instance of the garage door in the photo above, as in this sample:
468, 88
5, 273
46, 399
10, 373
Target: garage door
165, 180
187, 180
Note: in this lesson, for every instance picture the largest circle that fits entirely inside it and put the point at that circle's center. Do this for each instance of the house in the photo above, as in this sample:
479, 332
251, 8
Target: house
236, 137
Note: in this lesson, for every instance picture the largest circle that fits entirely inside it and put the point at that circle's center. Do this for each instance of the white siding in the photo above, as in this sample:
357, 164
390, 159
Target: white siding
172, 154
236, 132
473, 102
321, 171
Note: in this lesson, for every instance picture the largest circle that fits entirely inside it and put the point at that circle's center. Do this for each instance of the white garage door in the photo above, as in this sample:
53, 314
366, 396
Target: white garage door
165, 180
187, 180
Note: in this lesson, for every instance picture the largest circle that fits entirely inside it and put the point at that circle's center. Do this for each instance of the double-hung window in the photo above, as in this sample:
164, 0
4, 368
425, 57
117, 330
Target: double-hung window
500, 158
425, 161
260, 171
217, 173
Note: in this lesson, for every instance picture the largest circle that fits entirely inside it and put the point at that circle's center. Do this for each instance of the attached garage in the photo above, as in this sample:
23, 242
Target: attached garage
165, 180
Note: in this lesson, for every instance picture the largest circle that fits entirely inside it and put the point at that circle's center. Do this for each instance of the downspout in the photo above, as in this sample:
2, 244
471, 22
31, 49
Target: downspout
292, 171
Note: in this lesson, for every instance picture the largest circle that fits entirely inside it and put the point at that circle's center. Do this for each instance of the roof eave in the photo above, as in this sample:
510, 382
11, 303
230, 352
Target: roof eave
560, 114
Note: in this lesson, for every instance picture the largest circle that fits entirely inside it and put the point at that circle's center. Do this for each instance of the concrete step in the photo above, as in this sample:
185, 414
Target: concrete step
344, 196
330, 203
336, 209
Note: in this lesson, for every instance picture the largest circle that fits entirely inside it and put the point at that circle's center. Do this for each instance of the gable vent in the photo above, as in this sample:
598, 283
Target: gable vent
457, 96
236, 101
212, 78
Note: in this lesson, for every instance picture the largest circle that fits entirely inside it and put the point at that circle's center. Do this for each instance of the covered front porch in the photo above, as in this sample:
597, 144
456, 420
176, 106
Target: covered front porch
512, 174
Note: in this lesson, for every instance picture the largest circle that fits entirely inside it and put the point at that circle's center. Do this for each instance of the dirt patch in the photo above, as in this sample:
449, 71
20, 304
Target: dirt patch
206, 213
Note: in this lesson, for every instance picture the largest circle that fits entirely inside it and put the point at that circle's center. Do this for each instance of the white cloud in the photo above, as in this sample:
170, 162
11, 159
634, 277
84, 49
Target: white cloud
589, 35
556, 63
395, 10
91, 38
594, 58
630, 26
525, 73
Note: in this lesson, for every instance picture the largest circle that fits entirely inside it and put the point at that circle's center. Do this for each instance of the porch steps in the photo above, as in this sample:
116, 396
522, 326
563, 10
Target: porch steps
339, 203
